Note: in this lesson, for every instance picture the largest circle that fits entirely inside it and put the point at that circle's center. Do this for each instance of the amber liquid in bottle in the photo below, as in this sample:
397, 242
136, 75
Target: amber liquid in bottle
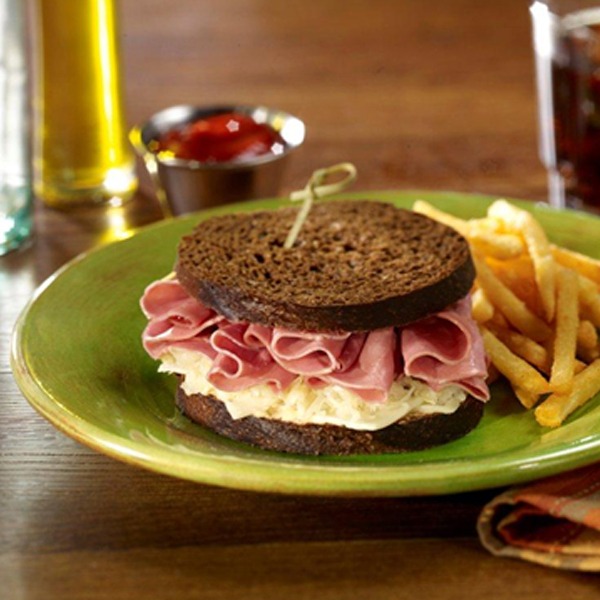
81, 153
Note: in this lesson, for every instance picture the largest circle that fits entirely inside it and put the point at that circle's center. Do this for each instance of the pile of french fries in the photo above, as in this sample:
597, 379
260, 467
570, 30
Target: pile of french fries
537, 306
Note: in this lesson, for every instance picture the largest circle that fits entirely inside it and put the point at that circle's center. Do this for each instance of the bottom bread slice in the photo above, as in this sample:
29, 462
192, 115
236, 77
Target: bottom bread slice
409, 434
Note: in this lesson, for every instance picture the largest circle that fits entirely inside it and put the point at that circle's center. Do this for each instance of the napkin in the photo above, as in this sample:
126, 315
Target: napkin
553, 522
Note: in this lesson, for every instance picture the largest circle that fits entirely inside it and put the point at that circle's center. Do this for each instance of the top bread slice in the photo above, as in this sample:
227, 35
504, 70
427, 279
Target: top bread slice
356, 265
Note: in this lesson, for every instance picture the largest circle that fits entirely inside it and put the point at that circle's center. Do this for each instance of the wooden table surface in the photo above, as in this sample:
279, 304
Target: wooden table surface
435, 95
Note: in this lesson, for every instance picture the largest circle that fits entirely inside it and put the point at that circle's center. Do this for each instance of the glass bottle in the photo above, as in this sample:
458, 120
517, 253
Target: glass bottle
81, 152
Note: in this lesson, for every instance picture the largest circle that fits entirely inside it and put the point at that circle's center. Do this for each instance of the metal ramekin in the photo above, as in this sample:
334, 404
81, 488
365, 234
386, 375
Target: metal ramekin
187, 185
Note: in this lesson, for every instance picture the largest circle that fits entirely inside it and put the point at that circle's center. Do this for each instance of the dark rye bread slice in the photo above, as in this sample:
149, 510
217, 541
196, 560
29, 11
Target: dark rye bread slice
410, 434
355, 266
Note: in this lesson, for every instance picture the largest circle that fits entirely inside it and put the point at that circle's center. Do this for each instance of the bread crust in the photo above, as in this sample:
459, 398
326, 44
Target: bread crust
356, 266
410, 434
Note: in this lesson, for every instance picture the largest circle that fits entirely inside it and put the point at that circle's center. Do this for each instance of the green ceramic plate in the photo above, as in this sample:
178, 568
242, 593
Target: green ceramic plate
78, 359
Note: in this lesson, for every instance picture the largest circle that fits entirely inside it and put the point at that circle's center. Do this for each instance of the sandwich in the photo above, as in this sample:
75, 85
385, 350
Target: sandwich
356, 340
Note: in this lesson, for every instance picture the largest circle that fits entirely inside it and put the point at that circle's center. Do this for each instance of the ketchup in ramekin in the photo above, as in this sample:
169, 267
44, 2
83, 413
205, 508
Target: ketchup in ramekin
219, 138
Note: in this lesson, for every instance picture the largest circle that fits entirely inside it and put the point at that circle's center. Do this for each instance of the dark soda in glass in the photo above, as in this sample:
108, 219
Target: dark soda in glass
576, 107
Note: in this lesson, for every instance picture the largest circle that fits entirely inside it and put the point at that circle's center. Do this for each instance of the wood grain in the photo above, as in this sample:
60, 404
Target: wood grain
434, 95
450, 569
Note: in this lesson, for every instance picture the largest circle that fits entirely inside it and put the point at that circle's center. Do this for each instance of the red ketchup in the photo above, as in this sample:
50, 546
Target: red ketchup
222, 138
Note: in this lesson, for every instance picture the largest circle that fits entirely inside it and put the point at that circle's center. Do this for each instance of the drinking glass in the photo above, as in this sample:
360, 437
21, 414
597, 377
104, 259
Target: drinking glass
566, 40
15, 172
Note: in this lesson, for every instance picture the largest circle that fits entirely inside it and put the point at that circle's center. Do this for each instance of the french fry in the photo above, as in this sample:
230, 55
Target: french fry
535, 354
512, 307
588, 356
538, 247
499, 320
589, 300
524, 347
556, 408
537, 306
436, 214
587, 335
527, 399
565, 337
481, 308
519, 372
519, 275
584, 265
477, 231
503, 246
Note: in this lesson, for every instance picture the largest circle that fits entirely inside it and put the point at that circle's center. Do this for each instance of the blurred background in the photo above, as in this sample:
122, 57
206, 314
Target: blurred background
400, 114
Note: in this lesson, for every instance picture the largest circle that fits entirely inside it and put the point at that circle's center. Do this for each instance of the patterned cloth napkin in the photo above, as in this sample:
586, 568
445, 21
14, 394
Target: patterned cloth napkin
554, 521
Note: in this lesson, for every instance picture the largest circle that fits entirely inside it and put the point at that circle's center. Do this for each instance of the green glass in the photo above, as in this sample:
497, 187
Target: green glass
78, 357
